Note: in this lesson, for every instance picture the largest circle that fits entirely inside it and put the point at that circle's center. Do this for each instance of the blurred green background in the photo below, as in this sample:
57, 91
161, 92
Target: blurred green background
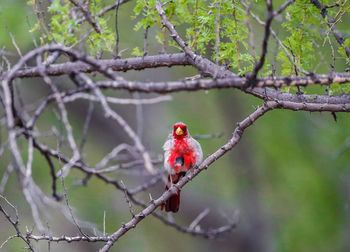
289, 176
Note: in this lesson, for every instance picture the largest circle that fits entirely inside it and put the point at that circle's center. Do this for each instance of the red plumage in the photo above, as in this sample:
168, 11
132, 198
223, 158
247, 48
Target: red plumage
181, 153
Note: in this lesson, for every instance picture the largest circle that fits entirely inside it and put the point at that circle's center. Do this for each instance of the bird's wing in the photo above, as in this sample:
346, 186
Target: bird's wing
198, 150
167, 148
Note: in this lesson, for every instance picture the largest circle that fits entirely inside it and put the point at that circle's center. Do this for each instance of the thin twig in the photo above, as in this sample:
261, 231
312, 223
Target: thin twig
15, 224
116, 55
86, 12
5, 178
145, 42
131, 210
86, 126
65, 194
200, 216
260, 63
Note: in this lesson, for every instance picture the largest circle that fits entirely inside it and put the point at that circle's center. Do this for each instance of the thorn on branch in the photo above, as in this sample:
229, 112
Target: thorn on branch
334, 116
127, 199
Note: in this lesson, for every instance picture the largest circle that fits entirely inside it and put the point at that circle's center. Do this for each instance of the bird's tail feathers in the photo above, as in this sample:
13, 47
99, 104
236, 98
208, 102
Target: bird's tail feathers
173, 203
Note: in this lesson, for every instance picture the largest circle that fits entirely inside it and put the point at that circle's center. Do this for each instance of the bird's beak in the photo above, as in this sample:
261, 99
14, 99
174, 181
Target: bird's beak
179, 131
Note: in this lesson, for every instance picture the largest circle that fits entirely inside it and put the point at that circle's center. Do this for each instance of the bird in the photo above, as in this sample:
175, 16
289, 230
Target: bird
181, 153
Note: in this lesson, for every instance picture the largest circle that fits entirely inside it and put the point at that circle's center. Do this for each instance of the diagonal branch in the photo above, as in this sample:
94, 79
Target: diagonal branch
131, 193
192, 174
86, 12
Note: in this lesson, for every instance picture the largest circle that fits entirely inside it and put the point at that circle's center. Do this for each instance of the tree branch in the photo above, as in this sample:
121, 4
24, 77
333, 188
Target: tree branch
86, 12
122, 65
15, 223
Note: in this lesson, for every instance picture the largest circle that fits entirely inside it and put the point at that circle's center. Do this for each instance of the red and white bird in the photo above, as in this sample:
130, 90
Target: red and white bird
181, 153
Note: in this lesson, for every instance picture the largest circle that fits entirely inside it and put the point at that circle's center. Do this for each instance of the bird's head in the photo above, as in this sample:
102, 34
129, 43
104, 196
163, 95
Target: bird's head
180, 130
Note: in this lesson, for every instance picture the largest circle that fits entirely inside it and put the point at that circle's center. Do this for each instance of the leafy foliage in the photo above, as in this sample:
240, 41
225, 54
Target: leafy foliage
61, 24
65, 28
301, 20
217, 29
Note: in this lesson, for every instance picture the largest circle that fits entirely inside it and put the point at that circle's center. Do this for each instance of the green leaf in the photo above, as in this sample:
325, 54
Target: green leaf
136, 52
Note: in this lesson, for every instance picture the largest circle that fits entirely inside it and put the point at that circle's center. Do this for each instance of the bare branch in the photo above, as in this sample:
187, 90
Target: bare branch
53, 175
123, 65
145, 42
116, 31
200, 216
122, 101
233, 82
70, 208
68, 239
86, 126
111, 114
15, 224
64, 115
5, 177
131, 210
